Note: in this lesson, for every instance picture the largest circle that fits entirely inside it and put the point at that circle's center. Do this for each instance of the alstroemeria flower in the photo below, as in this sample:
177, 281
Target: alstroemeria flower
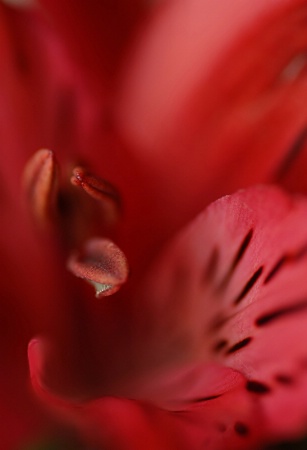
164, 182
216, 354
172, 134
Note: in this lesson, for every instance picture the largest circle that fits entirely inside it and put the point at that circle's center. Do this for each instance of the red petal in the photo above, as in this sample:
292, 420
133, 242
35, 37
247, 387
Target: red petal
211, 96
32, 81
226, 422
232, 289
95, 33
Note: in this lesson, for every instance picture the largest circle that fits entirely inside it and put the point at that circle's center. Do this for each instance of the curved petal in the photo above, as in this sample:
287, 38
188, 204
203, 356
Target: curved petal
212, 95
228, 421
232, 289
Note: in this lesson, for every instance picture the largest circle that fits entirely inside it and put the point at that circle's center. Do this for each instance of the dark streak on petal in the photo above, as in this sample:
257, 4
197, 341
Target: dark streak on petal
291, 156
257, 387
239, 255
206, 399
248, 286
285, 259
280, 263
220, 345
272, 316
197, 401
241, 429
243, 247
239, 345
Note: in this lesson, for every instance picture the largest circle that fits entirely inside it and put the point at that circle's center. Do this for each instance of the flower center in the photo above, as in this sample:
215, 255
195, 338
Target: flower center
75, 211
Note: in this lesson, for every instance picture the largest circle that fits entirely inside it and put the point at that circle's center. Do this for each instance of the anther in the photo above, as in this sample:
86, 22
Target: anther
102, 264
40, 179
100, 190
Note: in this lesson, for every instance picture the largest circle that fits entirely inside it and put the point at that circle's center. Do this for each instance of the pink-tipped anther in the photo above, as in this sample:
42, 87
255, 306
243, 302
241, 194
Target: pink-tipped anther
40, 184
102, 264
100, 190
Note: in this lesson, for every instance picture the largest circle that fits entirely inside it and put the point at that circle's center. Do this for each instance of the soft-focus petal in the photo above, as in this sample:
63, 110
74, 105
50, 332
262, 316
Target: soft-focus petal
32, 81
226, 421
165, 353
45, 103
213, 96
95, 33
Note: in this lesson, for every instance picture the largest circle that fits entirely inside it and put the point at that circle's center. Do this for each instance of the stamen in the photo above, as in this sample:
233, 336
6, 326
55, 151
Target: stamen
40, 181
100, 190
102, 264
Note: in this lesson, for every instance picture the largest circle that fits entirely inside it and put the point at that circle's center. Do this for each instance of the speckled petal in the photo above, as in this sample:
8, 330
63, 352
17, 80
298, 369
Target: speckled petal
102, 264
232, 289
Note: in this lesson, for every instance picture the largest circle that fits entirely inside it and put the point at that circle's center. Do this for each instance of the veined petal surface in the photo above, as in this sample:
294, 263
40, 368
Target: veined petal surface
231, 289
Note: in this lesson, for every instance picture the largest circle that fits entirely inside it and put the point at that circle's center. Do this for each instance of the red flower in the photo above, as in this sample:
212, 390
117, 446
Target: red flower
202, 344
